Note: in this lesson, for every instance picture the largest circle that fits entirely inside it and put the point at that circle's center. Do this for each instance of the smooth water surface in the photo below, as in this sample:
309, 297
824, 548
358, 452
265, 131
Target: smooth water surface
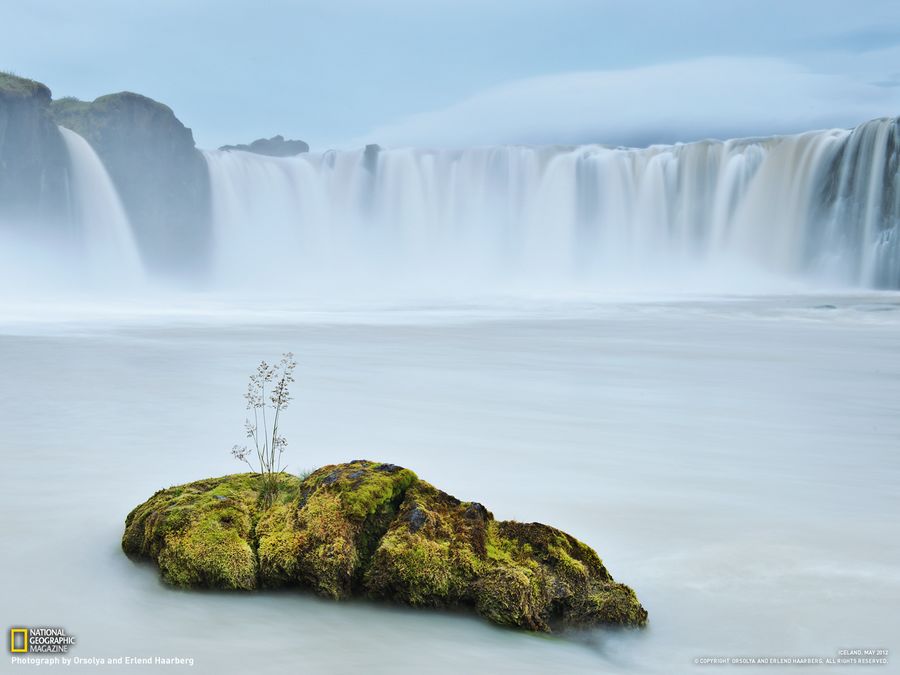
734, 460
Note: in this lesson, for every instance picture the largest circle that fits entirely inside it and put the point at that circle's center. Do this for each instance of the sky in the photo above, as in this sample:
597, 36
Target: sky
338, 73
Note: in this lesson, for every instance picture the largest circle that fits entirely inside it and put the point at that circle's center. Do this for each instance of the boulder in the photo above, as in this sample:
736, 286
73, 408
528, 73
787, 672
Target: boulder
376, 530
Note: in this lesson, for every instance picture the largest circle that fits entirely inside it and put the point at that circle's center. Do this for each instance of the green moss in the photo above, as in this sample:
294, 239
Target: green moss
568, 582
364, 487
513, 596
209, 554
201, 534
414, 570
443, 552
278, 545
614, 603
376, 529
325, 539
326, 555
502, 549
433, 552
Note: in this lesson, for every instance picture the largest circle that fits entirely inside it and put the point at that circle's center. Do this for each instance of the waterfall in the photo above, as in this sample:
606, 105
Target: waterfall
820, 205
106, 236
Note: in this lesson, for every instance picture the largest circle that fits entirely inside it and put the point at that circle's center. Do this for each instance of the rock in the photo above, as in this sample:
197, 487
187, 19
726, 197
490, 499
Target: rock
276, 146
325, 538
197, 538
417, 519
377, 530
370, 157
34, 162
158, 172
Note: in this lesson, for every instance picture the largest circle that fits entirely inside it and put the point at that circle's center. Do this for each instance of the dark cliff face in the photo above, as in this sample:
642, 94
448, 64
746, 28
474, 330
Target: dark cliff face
33, 158
160, 175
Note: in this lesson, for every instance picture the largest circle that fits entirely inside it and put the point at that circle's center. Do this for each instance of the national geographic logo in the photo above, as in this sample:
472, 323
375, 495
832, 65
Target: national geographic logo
39, 640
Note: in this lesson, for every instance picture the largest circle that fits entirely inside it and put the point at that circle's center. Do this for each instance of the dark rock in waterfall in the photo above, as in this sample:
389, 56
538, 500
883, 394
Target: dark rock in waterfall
33, 157
277, 146
160, 175
370, 157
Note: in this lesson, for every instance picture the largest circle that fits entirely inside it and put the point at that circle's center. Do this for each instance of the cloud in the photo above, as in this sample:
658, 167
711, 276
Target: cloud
711, 97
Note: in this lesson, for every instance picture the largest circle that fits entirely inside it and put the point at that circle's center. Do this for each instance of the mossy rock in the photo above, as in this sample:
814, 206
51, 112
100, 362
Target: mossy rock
376, 530
202, 534
325, 538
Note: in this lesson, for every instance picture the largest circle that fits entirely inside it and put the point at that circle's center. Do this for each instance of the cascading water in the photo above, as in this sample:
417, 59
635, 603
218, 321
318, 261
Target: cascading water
105, 233
824, 205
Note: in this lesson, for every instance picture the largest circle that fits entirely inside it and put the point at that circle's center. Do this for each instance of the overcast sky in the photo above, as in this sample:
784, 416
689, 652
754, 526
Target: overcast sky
457, 72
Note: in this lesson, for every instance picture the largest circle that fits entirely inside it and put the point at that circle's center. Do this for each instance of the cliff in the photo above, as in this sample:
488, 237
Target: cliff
33, 157
160, 175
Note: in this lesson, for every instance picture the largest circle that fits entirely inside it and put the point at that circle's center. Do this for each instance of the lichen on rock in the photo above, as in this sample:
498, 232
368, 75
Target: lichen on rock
376, 530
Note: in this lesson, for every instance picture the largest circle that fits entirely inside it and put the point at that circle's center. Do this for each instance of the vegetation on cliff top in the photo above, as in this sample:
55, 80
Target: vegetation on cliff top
95, 119
12, 85
373, 529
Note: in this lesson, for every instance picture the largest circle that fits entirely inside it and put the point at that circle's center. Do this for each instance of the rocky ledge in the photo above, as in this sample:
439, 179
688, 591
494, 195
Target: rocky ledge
376, 530
277, 146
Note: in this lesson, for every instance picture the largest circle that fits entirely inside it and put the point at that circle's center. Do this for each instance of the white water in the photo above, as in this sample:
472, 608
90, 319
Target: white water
717, 216
108, 244
94, 251
734, 461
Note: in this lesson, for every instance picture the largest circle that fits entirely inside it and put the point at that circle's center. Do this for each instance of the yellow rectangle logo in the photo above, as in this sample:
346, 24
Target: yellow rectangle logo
13, 633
